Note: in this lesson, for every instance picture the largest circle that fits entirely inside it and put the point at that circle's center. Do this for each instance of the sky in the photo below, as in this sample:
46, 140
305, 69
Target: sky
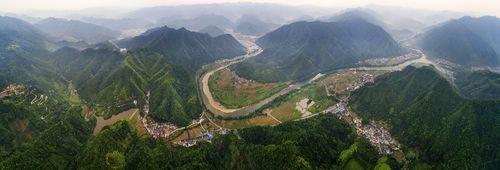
486, 7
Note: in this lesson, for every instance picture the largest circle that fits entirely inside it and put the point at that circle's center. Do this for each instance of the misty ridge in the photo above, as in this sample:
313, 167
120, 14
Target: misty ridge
249, 86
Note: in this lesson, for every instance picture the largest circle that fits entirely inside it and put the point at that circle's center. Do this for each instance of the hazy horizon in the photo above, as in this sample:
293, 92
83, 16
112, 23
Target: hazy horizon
483, 7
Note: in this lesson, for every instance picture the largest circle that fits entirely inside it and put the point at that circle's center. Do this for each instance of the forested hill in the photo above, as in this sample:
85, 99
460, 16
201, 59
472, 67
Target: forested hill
23, 49
467, 41
482, 84
302, 49
437, 126
323, 142
184, 47
163, 61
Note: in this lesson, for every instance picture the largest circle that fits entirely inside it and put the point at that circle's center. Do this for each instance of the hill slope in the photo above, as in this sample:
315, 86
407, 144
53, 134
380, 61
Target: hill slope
466, 41
213, 31
184, 47
432, 120
23, 52
110, 82
483, 85
162, 61
302, 49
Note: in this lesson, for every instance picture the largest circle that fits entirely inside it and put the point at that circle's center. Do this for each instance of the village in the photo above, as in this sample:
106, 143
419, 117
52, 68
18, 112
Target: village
376, 135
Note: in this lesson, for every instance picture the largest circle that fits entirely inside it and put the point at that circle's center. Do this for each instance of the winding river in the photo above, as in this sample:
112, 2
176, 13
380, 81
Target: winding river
253, 50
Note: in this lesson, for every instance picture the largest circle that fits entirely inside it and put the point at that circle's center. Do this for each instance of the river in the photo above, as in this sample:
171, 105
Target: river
253, 50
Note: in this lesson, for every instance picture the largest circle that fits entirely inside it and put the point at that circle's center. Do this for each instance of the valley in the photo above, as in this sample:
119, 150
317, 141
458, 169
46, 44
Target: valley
249, 85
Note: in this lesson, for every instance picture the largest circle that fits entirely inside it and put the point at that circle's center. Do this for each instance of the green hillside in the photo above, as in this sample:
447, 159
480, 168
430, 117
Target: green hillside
434, 123
467, 41
184, 47
303, 49
319, 143
23, 52
479, 84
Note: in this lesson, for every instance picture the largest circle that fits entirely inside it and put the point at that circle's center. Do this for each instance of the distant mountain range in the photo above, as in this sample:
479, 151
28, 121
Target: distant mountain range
120, 24
267, 12
467, 41
302, 49
73, 30
250, 25
199, 22
213, 31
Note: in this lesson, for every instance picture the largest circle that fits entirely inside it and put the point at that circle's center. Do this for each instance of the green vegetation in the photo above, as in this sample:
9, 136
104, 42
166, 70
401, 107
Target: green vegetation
316, 143
233, 94
109, 81
183, 47
46, 136
303, 49
467, 41
479, 84
434, 123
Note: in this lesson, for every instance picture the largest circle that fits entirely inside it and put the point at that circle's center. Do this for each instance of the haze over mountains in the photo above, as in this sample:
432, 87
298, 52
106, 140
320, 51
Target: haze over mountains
112, 80
303, 49
466, 41
63, 74
72, 30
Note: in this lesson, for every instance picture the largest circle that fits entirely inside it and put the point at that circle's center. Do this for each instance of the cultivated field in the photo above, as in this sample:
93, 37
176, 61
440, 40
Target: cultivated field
234, 92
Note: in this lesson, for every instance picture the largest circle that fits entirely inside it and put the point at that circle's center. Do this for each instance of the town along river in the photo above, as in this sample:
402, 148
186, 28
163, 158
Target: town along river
101, 122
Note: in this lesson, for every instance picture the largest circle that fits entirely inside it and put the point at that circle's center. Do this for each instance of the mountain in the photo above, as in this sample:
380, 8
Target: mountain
364, 14
268, 12
23, 52
16, 33
119, 24
199, 22
73, 30
213, 31
251, 25
161, 62
302, 49
482, 84
184, 47
435, 124
110, 82
467, 41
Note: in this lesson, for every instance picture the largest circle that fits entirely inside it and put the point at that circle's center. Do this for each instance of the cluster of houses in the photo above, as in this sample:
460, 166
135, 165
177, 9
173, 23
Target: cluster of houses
365, 78
378, 136
338, 109
392, 60
303, 106
207, 135
159, 130
13, 89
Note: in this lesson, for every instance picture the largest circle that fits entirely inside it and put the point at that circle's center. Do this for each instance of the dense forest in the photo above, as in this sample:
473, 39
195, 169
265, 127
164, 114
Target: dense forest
324, 142
434, 122
479, 84
162, 61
